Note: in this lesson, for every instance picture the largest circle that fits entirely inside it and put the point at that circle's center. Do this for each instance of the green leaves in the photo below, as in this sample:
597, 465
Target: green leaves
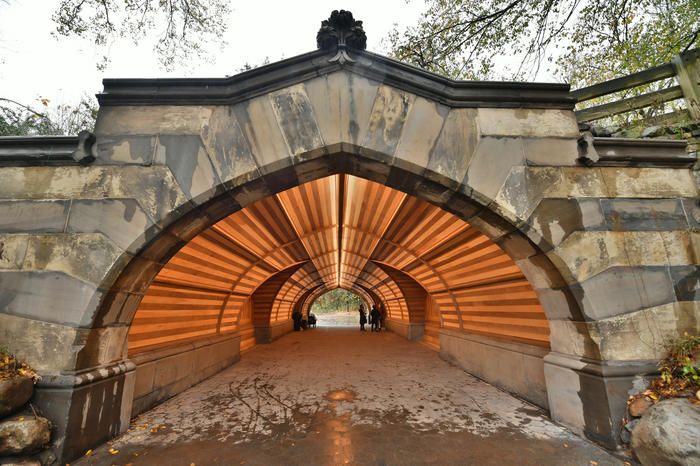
585, 41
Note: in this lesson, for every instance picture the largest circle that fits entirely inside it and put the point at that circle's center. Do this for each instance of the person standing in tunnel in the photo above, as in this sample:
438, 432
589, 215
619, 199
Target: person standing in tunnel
297, 317
374, 317
363, 317
382, 317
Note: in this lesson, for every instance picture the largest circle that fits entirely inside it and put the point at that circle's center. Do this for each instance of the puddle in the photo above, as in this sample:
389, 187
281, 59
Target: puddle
340, 395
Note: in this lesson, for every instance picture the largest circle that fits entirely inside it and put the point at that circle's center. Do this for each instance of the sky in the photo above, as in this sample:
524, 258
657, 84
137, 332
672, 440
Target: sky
37, 65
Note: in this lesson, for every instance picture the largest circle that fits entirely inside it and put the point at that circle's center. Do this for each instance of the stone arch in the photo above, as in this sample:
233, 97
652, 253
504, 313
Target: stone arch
176, 156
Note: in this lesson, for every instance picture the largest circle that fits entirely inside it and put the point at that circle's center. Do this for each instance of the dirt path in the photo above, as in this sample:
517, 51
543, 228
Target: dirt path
338, 396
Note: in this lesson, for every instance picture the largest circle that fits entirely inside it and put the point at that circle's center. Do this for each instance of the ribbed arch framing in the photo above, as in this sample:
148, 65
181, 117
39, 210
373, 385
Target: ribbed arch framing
254, 267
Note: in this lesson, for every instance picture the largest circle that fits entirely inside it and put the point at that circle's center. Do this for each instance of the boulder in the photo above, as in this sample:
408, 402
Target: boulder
668, 434
23, 434
653, 132
14, 393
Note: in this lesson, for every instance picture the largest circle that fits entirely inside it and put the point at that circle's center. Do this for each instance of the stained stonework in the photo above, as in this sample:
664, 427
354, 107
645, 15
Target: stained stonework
611, 251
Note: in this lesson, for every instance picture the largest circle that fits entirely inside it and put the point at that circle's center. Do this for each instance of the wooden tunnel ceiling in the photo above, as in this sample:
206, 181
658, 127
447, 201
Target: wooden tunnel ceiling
255, 266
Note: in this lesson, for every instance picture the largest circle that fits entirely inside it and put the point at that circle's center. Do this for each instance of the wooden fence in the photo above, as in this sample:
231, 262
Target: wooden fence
685, 68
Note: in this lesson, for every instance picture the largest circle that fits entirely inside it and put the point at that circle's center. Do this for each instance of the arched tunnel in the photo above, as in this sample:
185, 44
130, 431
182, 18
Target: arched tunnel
232, 288
247, 273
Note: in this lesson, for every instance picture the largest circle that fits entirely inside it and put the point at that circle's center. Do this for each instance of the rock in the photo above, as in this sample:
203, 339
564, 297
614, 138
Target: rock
20, 435
14, 393
653, 131
601, 132
626, 431
639, 406
668, 434
19, 462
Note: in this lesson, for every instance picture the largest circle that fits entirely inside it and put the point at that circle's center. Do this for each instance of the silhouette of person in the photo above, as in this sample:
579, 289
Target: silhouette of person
363, 317
374, 317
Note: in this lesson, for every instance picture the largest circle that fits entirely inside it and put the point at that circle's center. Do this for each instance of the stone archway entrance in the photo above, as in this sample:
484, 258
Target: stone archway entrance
608, 249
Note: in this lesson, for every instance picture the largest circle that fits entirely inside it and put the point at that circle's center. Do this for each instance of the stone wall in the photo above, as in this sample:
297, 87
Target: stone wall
515, 367
163, 373
611, 250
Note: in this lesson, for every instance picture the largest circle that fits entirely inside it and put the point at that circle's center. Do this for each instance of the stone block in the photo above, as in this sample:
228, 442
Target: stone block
577, 182
190, 165
686, 282
40, 344
514, 367
644, 334
551, 151
387, 119
13, 248
121, 220
455, 146
692, 212
153, 187
553, 220
84, 416
649, 182
573, 338
151, 120
522, 191
125, 149
296, 119
342, 103
48, 296
420, 132
90, 257
33, 216
227, 146
620, 290
644, 214
492, 162
528, 122
262, 131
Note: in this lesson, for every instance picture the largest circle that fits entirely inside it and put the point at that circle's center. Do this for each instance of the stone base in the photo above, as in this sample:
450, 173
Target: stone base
515, 367
163, 373
410, 331
85, 409
270, 333
590, 397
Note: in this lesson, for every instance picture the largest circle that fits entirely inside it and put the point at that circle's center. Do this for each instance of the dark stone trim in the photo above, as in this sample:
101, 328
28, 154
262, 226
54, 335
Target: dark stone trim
253, 83
625, 152
86, 377
47, 150
602, 368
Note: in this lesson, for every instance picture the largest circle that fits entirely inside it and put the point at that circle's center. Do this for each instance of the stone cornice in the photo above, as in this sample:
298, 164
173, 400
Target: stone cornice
268, 78
47, 150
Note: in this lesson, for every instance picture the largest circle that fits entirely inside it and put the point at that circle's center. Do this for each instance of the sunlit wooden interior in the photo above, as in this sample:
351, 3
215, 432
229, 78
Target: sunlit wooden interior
256, 266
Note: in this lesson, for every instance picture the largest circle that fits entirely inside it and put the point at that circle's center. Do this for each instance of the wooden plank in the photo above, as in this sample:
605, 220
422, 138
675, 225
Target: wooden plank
625, 82
627, 105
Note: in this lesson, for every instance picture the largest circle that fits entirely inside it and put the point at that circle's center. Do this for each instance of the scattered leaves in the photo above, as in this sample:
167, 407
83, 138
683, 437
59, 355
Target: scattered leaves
10, 367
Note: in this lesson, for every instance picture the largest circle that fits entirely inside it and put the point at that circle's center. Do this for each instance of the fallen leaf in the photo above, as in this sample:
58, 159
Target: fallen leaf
594, 463
88, 453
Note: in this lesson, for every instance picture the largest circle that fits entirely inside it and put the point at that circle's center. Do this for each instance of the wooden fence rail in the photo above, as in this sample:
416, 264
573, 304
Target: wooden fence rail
685, 68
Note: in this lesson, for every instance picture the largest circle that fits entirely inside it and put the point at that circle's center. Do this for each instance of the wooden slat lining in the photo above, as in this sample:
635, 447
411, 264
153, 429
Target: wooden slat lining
473, 285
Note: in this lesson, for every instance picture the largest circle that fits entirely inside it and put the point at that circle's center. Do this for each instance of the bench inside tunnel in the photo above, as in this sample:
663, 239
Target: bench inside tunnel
237, 284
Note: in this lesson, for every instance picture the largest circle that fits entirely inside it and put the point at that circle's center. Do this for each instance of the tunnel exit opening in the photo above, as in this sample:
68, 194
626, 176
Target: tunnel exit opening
337, 308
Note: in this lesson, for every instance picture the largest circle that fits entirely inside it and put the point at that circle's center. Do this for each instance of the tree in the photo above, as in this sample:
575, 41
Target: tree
185, 26
336, 300
587, 40
17, 119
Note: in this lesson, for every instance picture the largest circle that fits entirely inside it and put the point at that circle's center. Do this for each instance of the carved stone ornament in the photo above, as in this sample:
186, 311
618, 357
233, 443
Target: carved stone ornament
339, 32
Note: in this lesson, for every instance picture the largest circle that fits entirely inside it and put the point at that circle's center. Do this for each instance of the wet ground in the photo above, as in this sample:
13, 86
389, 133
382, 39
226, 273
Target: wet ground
336, 396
